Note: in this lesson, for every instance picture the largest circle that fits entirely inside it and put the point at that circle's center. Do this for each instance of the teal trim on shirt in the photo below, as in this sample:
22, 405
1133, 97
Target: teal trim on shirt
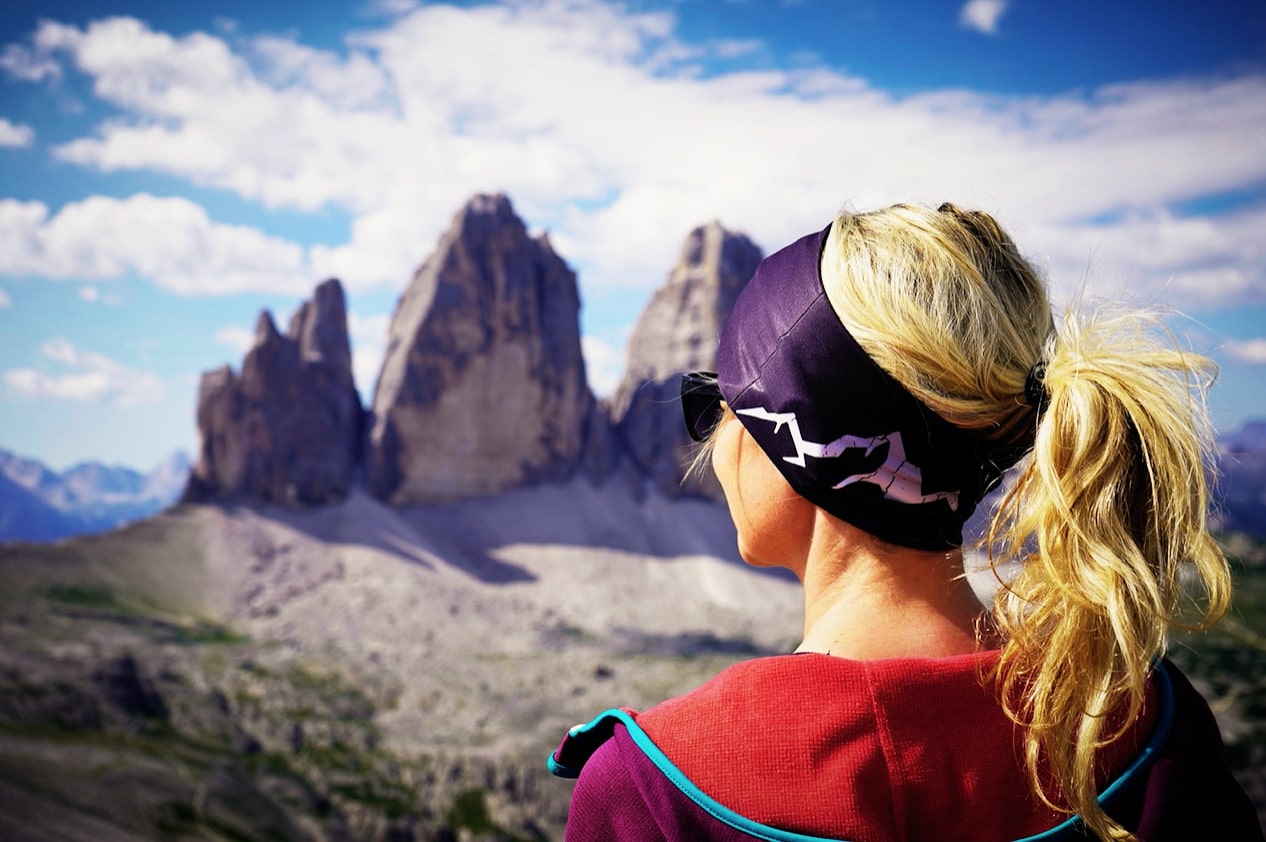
1165, 720
1164, 723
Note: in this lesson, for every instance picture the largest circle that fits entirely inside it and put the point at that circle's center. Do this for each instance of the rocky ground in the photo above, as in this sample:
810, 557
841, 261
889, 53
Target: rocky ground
222, 673
234, 673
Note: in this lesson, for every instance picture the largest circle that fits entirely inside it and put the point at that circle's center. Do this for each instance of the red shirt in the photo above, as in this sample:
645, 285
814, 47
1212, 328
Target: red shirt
868, 751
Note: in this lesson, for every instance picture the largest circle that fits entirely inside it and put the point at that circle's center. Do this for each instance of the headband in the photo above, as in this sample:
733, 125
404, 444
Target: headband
846, 435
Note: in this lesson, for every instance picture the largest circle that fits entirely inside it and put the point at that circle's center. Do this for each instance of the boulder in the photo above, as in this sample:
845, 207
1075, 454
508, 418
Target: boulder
289, 428
483, 385
676, 333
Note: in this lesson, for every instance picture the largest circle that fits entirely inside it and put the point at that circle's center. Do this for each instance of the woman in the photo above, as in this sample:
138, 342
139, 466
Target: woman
874, 381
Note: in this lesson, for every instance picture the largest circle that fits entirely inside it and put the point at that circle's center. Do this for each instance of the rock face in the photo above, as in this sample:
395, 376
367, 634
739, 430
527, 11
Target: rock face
483, 386
678, 332
289, 428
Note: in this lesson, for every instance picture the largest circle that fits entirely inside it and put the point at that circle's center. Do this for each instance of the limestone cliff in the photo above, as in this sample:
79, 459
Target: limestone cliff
678, 332
483, 386
288, 429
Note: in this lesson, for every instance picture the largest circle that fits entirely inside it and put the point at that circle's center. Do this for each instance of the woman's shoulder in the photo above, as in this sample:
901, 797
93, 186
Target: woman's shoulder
811, 686
776, 738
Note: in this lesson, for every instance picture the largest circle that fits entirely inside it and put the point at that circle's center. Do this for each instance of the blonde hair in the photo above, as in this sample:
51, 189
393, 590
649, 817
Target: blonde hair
1107, 515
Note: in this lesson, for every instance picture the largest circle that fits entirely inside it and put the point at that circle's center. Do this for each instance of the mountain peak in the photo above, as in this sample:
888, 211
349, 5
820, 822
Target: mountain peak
483, 387
265, 330
288, 430
679, 329
678, 332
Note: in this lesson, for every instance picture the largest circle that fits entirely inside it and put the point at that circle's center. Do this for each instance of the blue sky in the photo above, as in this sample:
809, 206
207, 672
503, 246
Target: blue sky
168, 170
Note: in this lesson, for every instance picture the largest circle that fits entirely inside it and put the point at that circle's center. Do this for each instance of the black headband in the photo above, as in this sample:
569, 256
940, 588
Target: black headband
844, 433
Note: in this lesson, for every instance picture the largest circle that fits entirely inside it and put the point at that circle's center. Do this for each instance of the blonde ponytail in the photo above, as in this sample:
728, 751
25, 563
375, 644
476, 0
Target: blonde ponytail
1107, 518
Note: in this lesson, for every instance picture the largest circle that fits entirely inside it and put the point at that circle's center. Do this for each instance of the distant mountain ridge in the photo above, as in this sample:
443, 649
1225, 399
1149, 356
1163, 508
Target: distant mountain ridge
1241, 486
38, 504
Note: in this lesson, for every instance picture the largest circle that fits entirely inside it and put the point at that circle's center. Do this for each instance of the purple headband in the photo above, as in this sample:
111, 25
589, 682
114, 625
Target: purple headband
846, 435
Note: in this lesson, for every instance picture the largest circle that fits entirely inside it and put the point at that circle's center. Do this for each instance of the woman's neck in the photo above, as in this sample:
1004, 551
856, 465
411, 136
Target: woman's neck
868, 600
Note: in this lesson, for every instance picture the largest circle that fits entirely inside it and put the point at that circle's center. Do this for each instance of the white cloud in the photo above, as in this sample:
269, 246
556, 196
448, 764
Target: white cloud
351, 83
15, 134
1156, 258
599, 126
170, 241
236, 337
94, 295
604, 365
5, 301
1246, 350
983, 15
736, 48
391, 8
368, 335
291, 135
85, 376
28, 64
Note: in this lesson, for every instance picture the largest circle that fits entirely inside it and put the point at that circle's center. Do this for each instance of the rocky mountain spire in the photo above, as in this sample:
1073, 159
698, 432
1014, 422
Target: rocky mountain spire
678, 332
483, 386
289, 428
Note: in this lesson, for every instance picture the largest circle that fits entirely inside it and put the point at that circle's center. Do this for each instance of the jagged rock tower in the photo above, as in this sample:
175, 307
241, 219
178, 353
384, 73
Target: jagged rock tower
288, 429
483, 387
678, 332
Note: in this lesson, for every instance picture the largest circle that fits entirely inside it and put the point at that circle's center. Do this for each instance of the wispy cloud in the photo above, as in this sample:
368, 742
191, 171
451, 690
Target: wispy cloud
15, 134
983, 15
604, 365
6, 302
84, 376
31, 64
236, 337
94, 295
391, 8
169, 241
369, 346
1246, 350
1157, 257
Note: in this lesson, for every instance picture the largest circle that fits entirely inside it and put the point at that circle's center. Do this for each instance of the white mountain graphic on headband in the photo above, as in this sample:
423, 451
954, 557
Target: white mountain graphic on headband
900, 479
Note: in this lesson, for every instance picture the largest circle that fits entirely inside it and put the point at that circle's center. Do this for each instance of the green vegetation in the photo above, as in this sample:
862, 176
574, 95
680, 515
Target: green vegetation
105, 604
206, 632
87, 596
470, 812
